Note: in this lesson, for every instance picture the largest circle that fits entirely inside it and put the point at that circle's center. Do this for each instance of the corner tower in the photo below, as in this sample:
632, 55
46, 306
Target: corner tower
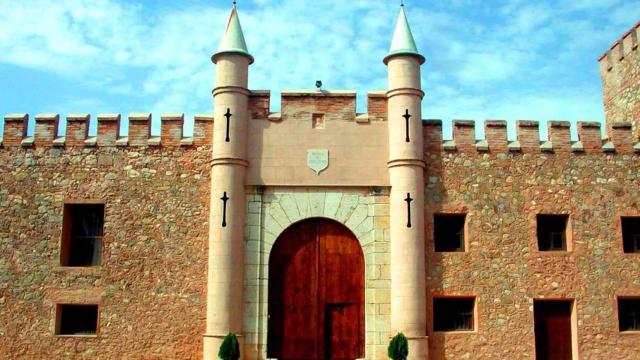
229, 164
406, 172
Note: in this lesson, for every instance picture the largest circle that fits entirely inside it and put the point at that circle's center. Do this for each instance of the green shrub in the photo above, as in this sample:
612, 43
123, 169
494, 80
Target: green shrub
398, 347
230, 348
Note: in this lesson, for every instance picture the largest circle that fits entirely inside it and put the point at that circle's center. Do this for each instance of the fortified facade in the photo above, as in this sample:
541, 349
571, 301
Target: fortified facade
318, 232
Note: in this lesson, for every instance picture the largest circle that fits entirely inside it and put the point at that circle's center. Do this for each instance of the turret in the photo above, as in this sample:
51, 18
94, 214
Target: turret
406, 166
229, 163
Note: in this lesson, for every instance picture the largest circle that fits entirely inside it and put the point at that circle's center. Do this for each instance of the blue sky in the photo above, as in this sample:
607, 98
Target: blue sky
485, 59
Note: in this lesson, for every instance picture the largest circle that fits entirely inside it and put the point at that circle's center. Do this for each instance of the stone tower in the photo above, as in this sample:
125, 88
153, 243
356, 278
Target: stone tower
620, 72
406, 174
229, 164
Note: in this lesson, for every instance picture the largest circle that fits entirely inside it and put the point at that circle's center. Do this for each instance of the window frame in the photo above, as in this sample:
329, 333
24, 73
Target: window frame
474, 314
566, 235
619, 322
66, 237
464, 242
58, 319
636, 236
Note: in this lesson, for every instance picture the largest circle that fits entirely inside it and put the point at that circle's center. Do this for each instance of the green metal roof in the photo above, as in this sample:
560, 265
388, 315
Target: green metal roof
233, 39
403, 43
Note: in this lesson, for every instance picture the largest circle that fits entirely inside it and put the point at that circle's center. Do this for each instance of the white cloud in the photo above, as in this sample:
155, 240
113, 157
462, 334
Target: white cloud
159, 57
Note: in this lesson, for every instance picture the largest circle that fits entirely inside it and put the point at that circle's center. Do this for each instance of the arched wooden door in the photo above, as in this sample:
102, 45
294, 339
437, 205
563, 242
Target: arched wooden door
316, 293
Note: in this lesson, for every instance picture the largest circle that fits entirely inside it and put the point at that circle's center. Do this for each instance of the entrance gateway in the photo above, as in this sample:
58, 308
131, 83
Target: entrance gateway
316, 293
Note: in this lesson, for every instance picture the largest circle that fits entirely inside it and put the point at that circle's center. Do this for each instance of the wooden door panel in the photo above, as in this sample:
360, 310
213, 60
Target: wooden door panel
316, 293
293, 296
552, 324
340, 330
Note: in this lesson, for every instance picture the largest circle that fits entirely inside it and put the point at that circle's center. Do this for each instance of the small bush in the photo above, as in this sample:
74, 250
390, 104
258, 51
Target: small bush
398, 347
230, 348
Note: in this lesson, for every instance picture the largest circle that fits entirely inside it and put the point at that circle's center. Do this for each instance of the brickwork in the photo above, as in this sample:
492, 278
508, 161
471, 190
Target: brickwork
620, 72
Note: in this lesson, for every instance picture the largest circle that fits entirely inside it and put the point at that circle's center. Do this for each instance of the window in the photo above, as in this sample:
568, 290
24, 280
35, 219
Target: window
631, 234
629, 314
75, 319
448, 232
82, 235
552, 232
453, 314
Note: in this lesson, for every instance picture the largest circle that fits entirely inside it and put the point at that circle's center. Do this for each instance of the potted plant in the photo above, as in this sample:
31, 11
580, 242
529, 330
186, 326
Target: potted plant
398, 347
230, 348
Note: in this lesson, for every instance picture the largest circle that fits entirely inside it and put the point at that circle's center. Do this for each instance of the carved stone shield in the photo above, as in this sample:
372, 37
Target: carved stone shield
318, 159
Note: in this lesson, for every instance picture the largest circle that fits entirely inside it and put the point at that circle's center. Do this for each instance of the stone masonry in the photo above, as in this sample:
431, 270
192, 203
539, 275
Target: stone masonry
167, 286
620, 72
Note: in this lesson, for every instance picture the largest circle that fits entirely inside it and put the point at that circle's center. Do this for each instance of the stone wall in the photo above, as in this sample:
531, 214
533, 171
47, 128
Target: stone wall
501, 193
151, 285
620, 72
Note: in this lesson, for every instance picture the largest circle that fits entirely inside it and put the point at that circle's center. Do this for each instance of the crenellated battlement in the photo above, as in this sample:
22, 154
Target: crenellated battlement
620, 49
299, 105
335, 104
108, 133
590, 137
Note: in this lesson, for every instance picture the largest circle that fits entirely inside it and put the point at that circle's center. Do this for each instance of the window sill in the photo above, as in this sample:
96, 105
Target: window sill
457, 332
85, 270
629, 332
554, 253
76, 336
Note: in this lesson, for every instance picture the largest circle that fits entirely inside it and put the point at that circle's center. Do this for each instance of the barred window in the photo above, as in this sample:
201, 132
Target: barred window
453, 314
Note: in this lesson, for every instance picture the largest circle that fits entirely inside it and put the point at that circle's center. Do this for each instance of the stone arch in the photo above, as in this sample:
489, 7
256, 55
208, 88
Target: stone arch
273, 210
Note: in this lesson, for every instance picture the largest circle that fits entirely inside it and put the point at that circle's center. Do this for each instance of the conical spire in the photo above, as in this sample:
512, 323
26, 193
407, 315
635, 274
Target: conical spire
233, 38
403, 43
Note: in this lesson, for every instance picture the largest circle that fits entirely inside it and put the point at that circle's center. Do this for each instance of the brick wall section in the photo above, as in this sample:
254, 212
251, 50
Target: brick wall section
560, 135
151, 286
203, 130
139, 128
15, 129
171, 129
46, 129
528, 135
259, 104
464, 133
620, 72
377, 106
501, 194
77, 129
108, 129
333, 106
495, 131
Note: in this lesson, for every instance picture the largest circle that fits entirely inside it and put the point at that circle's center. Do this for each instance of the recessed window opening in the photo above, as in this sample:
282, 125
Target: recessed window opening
629, 314
448, 232
631, 234
76, 319
552, 232
82, 234
453, 314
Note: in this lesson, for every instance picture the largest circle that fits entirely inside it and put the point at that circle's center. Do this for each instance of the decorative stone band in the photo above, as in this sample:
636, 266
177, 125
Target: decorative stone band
108, 134
406, 162
405, 91
229, 161
230, 89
